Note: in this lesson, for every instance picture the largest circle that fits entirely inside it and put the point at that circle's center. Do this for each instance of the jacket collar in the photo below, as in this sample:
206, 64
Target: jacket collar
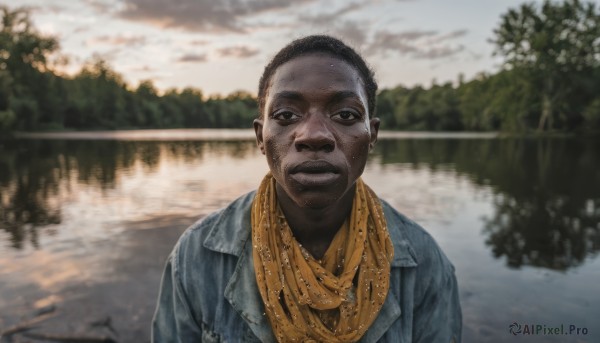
232, 229
231, 235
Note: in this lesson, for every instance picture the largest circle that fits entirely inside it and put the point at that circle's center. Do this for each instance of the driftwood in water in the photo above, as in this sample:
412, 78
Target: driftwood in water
25, 326
68, 339
44, 313
44, 310
105, 322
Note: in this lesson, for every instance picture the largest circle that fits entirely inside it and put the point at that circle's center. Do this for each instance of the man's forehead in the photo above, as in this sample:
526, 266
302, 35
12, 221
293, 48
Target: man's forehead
317, 72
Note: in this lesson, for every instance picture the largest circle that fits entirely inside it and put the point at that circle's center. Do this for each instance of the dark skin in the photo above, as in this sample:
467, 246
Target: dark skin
316, 133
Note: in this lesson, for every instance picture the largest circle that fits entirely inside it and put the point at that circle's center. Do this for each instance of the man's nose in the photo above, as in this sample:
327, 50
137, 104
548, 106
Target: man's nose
314, 134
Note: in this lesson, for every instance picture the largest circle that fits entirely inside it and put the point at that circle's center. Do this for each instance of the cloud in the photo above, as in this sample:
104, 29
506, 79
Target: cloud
54, 9
117, 40
199, 42
385, 41
143, 69
81, 29
99, 5
192, 58
332, 23
450, 35
201, 15
416, 43
329, 18
109, 56
237, 51
409, 35
352, 32
27, 8
439, 52
476, 56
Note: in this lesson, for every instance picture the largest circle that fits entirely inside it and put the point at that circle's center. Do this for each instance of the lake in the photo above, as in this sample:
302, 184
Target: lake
87, 220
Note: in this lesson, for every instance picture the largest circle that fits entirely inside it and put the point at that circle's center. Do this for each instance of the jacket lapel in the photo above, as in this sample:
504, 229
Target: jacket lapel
404, 257
243, 295
231, 235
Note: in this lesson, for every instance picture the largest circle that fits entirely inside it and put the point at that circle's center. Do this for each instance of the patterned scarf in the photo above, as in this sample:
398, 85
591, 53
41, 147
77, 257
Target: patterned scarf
332, 300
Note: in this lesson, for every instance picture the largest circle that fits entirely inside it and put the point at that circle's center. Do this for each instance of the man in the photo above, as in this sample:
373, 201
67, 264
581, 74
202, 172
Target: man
312, 255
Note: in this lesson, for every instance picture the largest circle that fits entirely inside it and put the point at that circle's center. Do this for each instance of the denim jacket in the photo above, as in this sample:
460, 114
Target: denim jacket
209, 291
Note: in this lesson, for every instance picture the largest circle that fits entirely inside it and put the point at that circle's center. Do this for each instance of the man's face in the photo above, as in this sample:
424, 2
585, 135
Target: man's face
315, 129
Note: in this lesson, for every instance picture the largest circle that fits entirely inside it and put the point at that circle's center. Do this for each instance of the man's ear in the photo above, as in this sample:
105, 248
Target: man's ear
258, 127
374, 125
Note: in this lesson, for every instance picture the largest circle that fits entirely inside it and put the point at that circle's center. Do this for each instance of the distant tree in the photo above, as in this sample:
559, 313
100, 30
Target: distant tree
7, 116
98, 98
193, 108
556, 48
170, 108
23, 63
241, 109
503, 101
385, 109
433, 109
147, 95
591, 112
20, 43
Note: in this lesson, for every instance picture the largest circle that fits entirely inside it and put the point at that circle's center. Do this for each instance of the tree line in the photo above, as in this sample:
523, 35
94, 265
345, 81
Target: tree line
550, 80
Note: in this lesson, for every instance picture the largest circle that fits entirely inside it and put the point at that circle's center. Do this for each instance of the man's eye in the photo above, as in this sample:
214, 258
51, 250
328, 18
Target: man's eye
346, 115
285, 115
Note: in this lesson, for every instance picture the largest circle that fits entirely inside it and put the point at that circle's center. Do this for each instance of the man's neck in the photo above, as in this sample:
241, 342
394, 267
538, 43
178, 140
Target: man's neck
315, 228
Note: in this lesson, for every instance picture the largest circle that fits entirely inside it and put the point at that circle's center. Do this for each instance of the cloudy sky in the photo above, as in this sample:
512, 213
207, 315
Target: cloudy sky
222, 46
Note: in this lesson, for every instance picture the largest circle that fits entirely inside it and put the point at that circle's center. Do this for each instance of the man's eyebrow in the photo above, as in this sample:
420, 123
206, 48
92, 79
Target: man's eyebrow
341, 95
336, 96
290, 95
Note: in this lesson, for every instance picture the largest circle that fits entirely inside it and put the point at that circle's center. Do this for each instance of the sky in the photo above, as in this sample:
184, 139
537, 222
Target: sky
222, 46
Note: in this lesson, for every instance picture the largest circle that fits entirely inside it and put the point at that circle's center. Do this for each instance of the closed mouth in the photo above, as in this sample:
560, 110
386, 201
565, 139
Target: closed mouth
315, 167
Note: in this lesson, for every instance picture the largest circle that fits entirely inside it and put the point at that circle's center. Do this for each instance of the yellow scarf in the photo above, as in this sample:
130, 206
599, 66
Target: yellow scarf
333, 300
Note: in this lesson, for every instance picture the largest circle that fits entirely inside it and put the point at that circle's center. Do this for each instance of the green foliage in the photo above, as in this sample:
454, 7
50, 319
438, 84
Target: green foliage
26, 86
32, 97
556, 47
550, 81
435, 109
7, 118
592, 114
498, 102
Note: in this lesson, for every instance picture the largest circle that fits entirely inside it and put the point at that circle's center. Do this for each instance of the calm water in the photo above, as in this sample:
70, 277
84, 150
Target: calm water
85, 225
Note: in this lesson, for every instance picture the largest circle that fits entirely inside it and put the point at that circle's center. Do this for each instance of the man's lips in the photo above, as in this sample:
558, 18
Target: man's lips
317, 173
314, 167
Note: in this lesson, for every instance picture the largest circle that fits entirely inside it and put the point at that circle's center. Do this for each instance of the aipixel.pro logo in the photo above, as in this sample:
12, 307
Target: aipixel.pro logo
541, 329
515, 328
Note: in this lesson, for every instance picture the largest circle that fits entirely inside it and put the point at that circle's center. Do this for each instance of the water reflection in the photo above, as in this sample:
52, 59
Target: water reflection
546, 191
37, 176
548, 212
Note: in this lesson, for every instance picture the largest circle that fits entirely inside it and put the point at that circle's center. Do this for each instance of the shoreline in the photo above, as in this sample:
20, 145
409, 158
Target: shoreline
225, 135
247, 134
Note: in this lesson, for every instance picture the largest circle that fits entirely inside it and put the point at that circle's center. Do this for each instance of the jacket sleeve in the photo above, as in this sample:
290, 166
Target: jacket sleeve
439, 317
173, 320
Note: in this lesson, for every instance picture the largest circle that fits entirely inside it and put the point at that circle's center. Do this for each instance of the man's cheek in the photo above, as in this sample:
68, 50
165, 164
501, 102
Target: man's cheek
274, 155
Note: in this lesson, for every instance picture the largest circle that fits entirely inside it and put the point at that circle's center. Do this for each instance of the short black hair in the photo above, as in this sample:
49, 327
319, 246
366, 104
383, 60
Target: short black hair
319, 44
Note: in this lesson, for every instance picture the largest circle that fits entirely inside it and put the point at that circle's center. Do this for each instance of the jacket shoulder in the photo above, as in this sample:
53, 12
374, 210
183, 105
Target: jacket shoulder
224, 224
421, 245
223, 231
